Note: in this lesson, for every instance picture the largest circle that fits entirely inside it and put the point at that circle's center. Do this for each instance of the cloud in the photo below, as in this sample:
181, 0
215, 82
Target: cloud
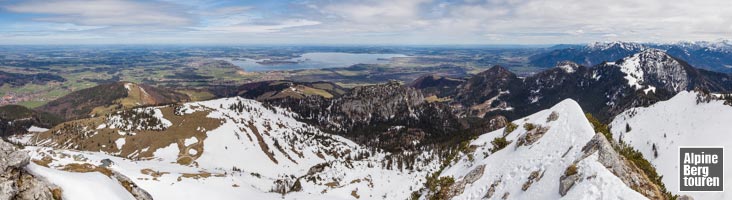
261, 28
103, 12
378, 21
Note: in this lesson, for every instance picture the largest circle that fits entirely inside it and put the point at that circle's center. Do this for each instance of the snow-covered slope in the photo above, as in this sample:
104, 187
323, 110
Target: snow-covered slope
535, 165
679, 121
231, 148
653, 67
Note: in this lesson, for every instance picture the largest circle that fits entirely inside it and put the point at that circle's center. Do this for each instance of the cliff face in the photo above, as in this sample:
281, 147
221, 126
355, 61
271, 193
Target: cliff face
15, 182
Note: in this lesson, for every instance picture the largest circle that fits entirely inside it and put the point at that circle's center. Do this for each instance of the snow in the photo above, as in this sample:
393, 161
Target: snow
567, 68
633, 71
599, 186
190, 141
116, 121
513, 165
228, 146
91, 185
654, 67
168, 153
120, 142
37, 129
679, 121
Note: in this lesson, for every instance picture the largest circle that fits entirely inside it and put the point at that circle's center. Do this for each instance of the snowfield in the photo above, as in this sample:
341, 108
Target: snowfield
679, 121
82, 185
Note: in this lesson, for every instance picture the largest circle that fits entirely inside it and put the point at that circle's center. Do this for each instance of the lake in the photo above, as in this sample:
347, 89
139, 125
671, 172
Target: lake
316, 60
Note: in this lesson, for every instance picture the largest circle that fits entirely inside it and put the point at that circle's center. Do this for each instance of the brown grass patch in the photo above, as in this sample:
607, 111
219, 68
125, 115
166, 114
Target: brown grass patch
153, 173
86, 168
57, 193
333, 184
45, 161
199, 175
183, 127
262, 144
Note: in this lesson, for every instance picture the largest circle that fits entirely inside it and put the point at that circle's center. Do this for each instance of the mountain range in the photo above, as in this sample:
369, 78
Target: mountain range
600, 129
714, 56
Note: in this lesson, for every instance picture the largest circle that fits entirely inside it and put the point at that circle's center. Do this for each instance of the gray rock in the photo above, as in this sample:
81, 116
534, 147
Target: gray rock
136, 191
8, 189
15, 182
631, 175
18, 159
33, 188
470, 178
567, 182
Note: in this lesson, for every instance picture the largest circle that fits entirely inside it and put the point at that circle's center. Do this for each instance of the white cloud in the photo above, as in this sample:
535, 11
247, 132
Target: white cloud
261, 28
386, 21
103, 13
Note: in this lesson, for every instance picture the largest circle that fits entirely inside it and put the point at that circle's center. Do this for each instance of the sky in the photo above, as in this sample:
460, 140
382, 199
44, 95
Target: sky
391, 22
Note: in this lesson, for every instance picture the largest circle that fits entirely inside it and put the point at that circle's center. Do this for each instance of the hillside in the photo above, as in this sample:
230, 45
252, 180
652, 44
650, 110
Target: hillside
243, 148
227, 148
435, 88
15, 119
270, 90
105, 98
687, 119
18, 79
389, 116
551, 154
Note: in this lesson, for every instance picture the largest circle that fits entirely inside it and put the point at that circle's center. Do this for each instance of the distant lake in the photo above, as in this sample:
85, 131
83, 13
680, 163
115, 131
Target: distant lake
317, 60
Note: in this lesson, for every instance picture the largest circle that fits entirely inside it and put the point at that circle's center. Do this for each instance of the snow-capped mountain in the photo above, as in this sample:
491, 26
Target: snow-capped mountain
552, 154
603, 90
687, 119
654, 67
228, 148
588, 55
235, 148
711, 55
603, 46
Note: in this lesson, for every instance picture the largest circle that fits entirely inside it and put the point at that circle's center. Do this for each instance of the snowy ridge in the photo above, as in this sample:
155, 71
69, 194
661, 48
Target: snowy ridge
679, 121
257, 151
601, 46
531, 166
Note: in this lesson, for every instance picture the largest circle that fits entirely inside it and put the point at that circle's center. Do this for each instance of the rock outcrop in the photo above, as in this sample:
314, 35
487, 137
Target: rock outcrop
15, 182
624, 169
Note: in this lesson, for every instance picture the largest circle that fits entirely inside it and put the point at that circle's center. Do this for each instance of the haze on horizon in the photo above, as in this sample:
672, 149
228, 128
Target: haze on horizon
415, 22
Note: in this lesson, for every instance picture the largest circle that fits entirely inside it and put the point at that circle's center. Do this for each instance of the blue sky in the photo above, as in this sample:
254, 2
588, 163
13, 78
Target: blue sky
430, 22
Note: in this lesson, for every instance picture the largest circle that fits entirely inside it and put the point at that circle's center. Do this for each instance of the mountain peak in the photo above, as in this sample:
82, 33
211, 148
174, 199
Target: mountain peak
496, 70
653, 68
